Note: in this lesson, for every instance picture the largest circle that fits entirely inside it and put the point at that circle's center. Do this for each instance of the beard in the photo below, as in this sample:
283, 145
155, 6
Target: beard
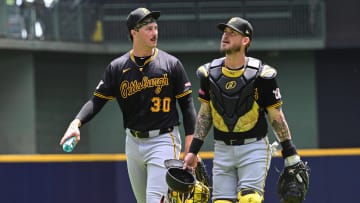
231, 50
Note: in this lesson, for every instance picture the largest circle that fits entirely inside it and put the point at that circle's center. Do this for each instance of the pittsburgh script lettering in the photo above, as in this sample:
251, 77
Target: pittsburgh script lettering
128, 88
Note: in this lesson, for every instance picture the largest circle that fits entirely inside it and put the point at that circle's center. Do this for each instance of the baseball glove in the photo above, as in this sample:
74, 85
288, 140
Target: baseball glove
293, 183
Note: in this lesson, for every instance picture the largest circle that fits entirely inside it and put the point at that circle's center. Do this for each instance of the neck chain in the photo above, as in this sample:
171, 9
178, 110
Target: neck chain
140, 61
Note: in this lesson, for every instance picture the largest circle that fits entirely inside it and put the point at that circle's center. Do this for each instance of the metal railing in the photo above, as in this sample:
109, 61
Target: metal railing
103, 21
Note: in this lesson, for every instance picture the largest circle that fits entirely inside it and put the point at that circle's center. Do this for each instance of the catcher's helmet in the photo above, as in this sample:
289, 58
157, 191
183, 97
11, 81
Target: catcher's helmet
183, 185
180, 180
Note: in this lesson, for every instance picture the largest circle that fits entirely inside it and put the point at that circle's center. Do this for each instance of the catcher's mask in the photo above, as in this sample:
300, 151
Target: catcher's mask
183, 186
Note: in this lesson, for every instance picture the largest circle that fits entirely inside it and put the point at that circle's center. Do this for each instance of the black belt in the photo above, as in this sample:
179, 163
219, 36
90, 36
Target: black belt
240, 141
231, 138
151, 133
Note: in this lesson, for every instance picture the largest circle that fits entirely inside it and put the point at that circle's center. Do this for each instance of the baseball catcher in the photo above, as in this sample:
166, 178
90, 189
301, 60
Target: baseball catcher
184, 185
293, 183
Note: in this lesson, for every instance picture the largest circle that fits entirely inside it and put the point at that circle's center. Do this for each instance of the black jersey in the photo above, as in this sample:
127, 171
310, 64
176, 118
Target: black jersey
146, 94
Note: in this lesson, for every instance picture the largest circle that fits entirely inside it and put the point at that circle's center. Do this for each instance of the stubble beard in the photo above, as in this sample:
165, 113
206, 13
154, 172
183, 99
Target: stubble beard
231, 50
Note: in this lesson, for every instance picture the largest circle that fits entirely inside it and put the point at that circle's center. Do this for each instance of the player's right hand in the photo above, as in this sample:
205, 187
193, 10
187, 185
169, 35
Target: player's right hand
190, 161
73, 130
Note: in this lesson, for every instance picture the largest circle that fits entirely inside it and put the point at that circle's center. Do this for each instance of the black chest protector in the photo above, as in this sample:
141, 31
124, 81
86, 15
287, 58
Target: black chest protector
232, 97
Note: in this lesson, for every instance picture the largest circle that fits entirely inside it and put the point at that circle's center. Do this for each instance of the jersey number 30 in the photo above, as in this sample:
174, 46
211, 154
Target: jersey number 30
160, 104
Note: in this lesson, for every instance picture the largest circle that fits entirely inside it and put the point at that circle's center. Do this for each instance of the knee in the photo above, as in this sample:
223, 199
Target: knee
250, 196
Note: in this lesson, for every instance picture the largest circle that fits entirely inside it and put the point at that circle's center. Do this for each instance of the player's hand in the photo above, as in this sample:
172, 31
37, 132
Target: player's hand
73, 130
199, 158
190, 161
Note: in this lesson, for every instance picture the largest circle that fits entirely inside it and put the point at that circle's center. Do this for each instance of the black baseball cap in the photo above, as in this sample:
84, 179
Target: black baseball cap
139, 14
238, 24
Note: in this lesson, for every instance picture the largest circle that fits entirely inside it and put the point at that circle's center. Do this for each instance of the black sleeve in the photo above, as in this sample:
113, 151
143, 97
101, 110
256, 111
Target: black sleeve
188, 112
203, 75
90, 109
269, 92
182, 83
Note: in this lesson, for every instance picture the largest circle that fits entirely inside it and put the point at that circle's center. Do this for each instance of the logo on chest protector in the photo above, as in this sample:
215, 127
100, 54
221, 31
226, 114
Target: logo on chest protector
230, 85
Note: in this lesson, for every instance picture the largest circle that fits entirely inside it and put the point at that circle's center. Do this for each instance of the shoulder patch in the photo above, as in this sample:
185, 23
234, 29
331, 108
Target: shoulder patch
268, 72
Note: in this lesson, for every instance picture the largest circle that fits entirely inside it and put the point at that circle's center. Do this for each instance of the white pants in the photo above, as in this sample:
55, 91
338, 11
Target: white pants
239, 167
145, 162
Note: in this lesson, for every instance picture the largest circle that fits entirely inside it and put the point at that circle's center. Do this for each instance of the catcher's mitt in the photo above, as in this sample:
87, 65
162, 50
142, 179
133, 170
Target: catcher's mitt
293, 183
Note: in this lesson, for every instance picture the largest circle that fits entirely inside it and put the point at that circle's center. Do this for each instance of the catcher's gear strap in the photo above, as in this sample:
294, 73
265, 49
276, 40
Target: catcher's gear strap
293, 183
250, 196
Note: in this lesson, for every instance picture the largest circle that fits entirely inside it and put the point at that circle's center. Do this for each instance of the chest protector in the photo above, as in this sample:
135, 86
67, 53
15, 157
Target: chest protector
232, 97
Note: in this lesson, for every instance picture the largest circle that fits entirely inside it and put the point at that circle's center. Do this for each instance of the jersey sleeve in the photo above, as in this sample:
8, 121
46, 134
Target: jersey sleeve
268, 92
182, 86
203, 75
105, 89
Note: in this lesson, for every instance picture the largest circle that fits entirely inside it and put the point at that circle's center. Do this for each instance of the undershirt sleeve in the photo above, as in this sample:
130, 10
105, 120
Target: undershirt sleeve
189, 114
90, 109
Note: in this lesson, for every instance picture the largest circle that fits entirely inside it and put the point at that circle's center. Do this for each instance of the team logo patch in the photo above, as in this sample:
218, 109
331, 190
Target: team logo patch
230, 85
126, 70
277, 93
145, 11
232, 20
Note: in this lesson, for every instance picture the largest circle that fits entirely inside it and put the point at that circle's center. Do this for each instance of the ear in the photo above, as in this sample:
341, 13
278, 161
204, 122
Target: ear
246, 40
133, 32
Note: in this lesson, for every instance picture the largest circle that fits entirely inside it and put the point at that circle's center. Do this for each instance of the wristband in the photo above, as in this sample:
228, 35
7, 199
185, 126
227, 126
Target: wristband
288, 148
195, 145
